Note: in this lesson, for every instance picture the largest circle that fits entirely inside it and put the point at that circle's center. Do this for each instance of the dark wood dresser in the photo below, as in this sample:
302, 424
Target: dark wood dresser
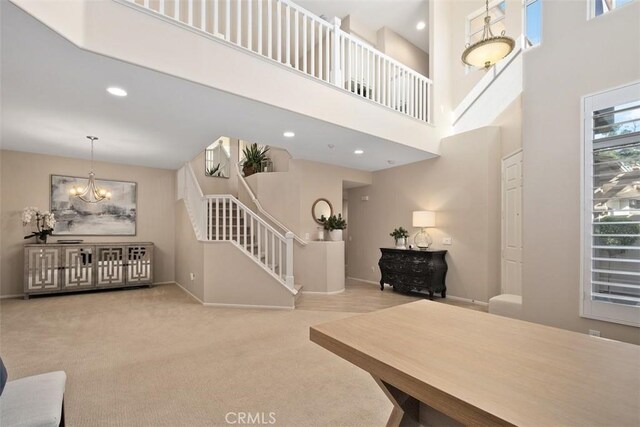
414, 270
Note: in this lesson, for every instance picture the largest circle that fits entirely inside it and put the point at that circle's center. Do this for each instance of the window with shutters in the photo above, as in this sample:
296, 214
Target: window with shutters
611, 262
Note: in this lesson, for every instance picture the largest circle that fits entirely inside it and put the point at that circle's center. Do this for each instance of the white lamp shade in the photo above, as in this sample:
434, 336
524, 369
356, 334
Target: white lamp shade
424, 219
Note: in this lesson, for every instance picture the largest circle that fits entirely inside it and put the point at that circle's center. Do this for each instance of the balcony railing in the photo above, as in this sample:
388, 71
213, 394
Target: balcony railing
292, 36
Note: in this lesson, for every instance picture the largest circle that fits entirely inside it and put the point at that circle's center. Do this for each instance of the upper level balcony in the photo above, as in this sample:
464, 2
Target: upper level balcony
336, 88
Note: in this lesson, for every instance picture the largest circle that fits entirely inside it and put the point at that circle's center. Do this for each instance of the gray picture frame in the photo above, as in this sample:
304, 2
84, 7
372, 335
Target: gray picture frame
115, 217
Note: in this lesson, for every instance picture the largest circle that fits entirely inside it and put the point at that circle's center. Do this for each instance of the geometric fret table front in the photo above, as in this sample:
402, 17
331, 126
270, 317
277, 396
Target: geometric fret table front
55, 267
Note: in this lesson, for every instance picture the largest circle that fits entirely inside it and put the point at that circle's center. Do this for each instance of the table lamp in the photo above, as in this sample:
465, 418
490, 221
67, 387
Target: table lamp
423, 220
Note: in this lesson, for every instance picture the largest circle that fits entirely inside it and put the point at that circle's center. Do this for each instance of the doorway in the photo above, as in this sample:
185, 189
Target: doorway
511, 270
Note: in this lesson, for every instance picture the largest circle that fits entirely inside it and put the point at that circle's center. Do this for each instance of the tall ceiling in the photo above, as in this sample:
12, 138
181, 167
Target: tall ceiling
400, 16
54, 94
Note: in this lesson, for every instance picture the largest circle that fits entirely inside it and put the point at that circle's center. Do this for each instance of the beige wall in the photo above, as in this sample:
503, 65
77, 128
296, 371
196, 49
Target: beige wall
245, 284
402, 50
319, 267
189, 254
557, 74
463, 187
26, 182
462, 80
510, 123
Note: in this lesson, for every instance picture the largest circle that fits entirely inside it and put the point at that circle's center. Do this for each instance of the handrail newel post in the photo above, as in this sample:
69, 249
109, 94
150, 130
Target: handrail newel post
289, 272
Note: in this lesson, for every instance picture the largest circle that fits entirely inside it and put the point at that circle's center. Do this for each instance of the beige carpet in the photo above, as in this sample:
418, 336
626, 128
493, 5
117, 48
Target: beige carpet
151, 357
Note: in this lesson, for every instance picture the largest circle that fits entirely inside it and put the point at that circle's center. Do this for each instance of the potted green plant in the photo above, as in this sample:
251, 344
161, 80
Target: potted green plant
334, 225
400, 234
253, 158
45, 221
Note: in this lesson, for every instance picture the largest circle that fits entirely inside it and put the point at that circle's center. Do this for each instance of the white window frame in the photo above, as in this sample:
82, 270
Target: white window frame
600, 310
592, 8
467, 24
526, 3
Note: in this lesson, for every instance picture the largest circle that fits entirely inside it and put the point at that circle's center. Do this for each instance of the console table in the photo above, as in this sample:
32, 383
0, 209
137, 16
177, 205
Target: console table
55, 268
413, 270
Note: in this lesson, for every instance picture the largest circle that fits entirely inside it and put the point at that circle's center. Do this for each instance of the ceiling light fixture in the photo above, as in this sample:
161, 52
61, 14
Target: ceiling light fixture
358, 152
91, 193
490, 49
117, 91
289, 134
421, 26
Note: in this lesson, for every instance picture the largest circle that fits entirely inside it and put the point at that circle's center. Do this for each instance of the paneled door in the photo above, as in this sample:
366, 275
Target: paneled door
110, 265
77, 267
139, 266
511, 278
42, 271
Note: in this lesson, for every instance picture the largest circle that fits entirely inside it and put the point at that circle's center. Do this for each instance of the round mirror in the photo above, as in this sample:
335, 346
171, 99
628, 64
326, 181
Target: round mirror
321, 207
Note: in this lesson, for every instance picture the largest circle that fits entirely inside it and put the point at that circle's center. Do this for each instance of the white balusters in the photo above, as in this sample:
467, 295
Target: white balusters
215, 17
326, 52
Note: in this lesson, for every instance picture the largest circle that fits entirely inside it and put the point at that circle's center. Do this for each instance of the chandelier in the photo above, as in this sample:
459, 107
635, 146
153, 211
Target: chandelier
490, 49
91, 193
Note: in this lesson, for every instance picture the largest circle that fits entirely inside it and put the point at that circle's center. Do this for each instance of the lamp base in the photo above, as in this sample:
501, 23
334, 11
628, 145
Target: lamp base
422, 240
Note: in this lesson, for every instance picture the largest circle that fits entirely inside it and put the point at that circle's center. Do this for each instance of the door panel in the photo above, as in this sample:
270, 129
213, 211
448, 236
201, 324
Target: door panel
511, 280
110, 265
43, 269
139, 266
77, 272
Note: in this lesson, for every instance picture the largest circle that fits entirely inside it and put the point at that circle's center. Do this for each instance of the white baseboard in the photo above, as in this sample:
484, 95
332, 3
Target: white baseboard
472, 301
323, 293
170, 282
189, 293
365, 281
215, 304
269, 307
12, 296
453, 297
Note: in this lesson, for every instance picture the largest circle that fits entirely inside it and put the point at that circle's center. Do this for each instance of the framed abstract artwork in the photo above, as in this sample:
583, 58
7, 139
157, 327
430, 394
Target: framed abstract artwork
74, 217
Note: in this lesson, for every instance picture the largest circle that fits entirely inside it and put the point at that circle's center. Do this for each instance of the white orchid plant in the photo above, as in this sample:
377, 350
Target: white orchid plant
44, 220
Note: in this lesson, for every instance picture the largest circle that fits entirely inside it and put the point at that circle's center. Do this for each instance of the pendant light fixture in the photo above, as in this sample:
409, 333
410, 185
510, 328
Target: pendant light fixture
91, 193
490, 49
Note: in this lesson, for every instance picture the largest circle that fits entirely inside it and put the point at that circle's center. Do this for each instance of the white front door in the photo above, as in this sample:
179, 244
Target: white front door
511, 282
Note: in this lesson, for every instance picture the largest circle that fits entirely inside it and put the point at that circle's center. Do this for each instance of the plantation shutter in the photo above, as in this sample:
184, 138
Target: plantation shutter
615, 216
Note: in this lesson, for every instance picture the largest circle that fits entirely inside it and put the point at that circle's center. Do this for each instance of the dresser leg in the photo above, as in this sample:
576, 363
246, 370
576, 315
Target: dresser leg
381, 285
444, 293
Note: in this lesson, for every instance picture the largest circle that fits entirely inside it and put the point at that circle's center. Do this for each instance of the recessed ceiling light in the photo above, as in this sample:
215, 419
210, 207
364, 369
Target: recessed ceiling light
421, 26
358, 152
331, 146
116, 91
391, 162
289, 134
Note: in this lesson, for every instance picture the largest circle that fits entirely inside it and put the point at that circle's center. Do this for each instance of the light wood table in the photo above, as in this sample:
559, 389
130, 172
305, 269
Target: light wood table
481, 369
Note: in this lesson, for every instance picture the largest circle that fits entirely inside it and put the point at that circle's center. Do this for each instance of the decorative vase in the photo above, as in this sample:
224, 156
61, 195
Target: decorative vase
320, 234
401, 243
335, 235
249, 170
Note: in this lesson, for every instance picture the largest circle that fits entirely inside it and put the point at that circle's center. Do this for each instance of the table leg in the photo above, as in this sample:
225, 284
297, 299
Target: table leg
406, 409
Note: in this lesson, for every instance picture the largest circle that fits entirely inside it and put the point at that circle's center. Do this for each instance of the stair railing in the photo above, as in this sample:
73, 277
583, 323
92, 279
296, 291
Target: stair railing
262, 210
222, 217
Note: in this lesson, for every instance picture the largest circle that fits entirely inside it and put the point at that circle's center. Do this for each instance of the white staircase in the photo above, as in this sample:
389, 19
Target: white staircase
223, 218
